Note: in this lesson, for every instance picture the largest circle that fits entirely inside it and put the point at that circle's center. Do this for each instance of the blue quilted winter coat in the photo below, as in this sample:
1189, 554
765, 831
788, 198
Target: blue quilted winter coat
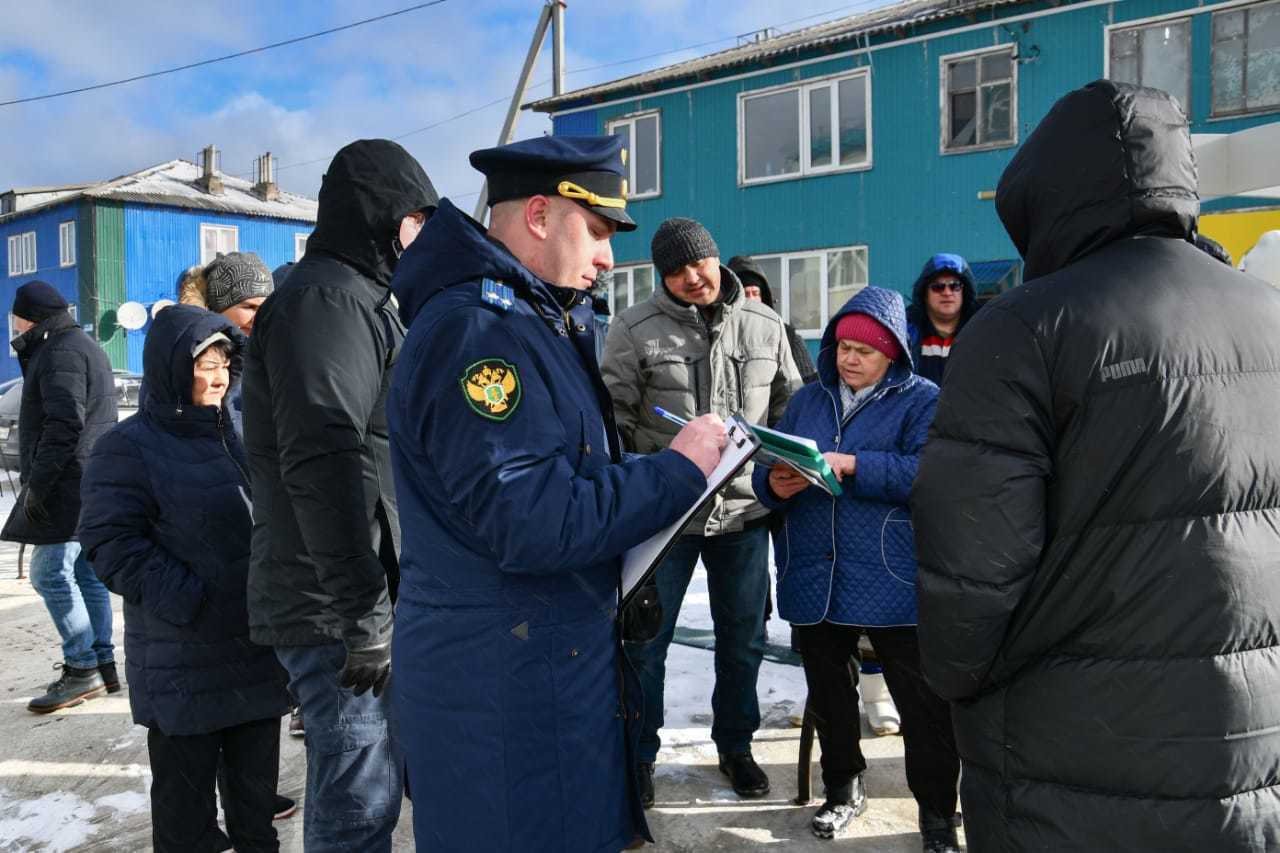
515, 507
165, 524
851, 560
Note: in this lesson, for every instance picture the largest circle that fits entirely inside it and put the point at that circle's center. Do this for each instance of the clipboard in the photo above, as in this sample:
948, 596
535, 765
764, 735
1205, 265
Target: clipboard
640, 562
798, 453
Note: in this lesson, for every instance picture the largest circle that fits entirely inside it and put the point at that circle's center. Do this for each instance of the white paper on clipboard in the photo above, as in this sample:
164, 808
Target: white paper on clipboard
639, 562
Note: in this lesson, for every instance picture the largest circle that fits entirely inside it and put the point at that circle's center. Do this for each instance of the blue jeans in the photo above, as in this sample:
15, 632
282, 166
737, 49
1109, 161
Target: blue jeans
738, 584
78, 602
355, 774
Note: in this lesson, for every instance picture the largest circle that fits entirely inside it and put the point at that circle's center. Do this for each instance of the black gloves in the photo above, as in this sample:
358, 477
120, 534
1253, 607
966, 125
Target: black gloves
33, 508
366, 668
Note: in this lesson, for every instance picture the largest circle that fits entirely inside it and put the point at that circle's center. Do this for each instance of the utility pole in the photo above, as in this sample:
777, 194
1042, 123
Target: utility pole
552, 11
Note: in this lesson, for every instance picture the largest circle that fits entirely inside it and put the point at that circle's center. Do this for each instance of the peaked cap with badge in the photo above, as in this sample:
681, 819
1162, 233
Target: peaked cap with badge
590, 170
506, 457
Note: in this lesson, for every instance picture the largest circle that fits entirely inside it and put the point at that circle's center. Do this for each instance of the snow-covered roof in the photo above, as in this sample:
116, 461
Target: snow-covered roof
173, 184
851, 28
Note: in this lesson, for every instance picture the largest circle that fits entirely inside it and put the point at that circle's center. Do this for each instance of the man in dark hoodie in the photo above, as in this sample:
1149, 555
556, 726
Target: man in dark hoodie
1109, 441
942, 301
325, 566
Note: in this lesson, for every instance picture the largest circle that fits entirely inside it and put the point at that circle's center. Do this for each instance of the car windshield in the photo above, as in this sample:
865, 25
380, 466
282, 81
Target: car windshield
11, 401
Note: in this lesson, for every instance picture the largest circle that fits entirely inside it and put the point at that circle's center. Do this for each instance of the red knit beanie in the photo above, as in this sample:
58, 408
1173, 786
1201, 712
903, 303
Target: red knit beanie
866, 329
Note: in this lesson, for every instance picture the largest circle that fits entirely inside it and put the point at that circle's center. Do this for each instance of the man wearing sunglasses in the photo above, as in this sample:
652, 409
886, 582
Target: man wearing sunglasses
942, 301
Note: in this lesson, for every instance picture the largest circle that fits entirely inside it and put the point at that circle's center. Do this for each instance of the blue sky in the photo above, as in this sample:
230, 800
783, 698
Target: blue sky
303, 102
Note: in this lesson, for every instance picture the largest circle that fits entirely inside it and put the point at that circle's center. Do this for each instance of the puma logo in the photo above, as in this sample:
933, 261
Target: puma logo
1124, 369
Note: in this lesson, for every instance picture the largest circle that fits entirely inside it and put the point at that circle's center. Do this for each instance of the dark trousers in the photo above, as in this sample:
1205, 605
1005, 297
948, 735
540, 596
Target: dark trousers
737, 584
184, 770
933, 767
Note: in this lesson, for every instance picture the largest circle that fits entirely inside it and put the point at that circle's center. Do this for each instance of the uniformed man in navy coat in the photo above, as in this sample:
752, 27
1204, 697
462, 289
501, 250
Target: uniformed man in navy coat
515, 704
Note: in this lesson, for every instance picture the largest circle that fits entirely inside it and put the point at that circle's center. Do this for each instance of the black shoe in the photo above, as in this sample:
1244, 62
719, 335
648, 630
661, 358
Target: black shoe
75, 686
296, 728
109, 676
940, 841
747, 777
646, 785
284, 807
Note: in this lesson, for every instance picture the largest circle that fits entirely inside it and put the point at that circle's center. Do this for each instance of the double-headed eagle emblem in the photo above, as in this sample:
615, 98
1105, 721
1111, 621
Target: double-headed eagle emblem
492, 388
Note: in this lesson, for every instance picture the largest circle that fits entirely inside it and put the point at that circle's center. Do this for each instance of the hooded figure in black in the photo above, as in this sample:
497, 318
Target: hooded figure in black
1108, 442
751, 275
930, 345
326, 531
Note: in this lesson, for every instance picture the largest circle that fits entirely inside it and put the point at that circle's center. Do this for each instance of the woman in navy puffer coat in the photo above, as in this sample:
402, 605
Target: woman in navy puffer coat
847, 565
165, 522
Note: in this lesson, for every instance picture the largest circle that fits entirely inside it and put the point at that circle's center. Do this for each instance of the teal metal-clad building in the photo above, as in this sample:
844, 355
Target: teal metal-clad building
847, 153
129, 239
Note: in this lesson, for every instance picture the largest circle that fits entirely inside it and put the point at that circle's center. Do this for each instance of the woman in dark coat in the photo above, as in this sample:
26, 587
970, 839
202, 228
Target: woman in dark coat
847, 564
166, 525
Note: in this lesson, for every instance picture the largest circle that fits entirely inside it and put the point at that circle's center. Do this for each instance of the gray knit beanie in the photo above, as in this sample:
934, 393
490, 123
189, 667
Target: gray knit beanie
234, 277
678, 242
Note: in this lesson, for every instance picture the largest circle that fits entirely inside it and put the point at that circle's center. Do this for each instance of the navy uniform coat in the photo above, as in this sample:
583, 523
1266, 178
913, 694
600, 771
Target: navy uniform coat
165, 524
515, 509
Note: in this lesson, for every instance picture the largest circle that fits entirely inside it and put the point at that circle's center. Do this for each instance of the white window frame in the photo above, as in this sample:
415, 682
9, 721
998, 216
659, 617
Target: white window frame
944, 100
782, 289
206, 227
804, 87
300, 244
1111, 29
628, 271
22, 254
1213, 47
67, 243
632, 155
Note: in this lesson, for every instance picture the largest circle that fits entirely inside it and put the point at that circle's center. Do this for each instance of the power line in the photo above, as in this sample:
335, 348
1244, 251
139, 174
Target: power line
216, 59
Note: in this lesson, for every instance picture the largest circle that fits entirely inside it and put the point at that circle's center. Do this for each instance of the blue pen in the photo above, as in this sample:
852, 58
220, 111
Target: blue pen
675, 419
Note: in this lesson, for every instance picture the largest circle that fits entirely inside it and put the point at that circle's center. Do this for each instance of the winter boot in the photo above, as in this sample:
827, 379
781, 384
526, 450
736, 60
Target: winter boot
747, 777
646, 785
283, 808
75, 686
109, 676
882, 714
296, 727
940, 841
839, 810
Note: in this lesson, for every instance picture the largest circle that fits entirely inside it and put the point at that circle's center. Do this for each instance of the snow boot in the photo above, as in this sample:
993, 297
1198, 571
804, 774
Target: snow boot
109, 676
839, 810
940, 841
75, 686
747, 777
882, 714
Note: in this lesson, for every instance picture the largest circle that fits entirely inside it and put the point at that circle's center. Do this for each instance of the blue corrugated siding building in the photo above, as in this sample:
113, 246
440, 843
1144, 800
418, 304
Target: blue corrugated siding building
129, 239
844, 154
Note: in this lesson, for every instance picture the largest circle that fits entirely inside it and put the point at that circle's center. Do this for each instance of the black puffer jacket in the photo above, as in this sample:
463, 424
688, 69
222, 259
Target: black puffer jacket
68, 402
166, 526
326, 533
1096, 510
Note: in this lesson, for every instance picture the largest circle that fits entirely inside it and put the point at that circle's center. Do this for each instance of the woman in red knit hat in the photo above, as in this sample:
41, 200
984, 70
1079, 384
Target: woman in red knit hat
847, 565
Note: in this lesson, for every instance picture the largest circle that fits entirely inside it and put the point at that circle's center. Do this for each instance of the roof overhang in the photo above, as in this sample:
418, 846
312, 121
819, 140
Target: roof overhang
1243, 163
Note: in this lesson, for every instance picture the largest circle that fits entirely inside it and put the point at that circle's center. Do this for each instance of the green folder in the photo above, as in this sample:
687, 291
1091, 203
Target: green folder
796, 452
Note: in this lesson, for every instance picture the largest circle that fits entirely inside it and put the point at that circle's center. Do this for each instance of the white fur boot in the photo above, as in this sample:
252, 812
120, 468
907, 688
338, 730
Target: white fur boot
881, 712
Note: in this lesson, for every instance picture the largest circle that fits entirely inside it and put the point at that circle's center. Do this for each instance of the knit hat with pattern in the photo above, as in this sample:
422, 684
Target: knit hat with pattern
234, 277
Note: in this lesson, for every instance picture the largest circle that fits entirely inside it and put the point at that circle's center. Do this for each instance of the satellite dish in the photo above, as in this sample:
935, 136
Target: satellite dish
159, 305
132, 315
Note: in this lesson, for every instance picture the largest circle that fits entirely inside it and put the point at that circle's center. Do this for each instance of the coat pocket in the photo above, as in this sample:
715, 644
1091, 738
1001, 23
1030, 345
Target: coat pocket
898, 546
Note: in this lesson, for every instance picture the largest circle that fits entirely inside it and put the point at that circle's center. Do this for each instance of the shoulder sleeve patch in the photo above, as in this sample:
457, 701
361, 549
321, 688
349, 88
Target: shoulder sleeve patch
497, 294
491, 387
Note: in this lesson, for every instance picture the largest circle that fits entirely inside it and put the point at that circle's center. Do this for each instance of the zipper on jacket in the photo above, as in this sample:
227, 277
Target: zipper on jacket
222, 437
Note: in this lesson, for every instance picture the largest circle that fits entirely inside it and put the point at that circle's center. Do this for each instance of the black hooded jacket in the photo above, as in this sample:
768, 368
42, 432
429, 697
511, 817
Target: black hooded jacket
1096, 510
68, 402
326, 532
166, 527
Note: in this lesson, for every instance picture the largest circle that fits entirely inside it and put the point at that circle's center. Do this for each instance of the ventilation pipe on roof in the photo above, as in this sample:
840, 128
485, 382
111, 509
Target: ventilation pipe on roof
264, 178
209, 162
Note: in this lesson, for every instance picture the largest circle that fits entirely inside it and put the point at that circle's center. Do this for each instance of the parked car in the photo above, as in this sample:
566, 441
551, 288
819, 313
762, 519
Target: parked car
127, 387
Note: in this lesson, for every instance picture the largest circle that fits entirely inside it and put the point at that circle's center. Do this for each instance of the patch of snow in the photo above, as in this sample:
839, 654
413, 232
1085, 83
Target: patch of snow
56, 822
125, 802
